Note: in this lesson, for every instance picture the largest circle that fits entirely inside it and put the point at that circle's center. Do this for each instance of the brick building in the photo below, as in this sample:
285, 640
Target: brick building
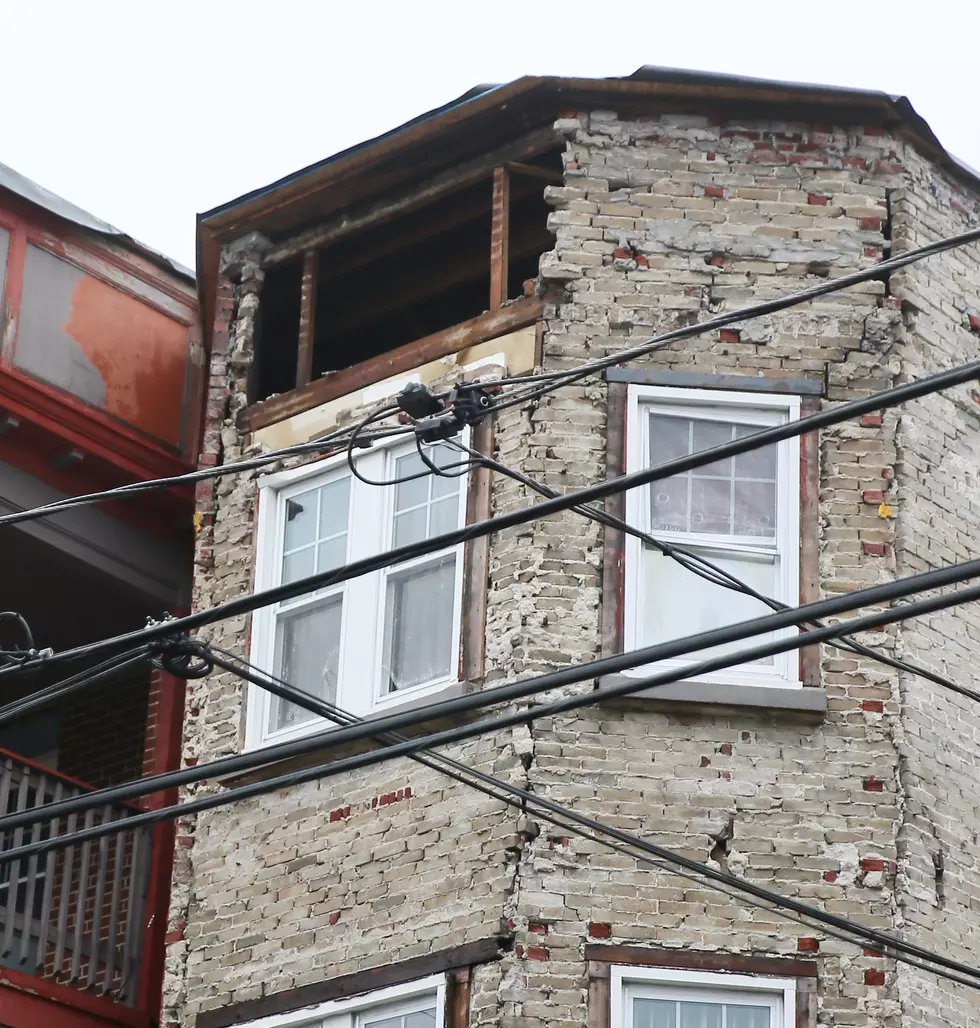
537, 225
101, 385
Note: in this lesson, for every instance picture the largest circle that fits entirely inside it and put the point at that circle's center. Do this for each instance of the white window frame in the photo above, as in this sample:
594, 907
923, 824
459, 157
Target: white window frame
350, 1012
370, 527
627, 982
724, 405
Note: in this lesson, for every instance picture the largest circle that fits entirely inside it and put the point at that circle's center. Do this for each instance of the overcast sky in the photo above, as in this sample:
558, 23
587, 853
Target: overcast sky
147, 113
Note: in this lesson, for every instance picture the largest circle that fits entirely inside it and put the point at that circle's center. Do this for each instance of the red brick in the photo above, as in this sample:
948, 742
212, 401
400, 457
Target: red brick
872, 251
874, 496
874, 977
975, 322
716, 192
705, 762
871, 420
730, 335
537, 953
599, 930
818, 200
537, 927
873, 706
726, 748
871, 224
334, 916
808, 945
710, 155
872, 864
717, 261
874, 549
873, 785
830, 876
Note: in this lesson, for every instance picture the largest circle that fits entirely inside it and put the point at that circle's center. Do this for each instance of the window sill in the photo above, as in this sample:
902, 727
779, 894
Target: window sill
808, 702
321, 756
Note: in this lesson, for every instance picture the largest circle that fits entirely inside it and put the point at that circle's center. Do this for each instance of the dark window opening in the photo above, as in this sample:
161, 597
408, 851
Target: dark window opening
405, 279
278, 331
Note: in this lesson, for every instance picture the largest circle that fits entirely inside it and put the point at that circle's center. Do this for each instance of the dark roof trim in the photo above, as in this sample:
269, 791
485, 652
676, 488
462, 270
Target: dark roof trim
30, 191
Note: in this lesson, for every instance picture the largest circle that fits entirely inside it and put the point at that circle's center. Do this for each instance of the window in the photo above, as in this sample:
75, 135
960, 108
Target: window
741, 514
376, 640
417, 1004
644, 997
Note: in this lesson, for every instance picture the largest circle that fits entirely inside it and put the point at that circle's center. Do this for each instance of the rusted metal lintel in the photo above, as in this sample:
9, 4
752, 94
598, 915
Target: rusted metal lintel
465, 174
402, 359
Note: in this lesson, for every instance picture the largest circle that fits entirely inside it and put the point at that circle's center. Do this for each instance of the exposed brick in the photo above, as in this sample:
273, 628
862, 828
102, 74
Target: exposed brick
872, 976
599, 930
808, 945
730, 335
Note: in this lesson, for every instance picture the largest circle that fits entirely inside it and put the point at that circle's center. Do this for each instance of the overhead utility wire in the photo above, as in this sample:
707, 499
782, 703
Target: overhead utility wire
689, 560
568, 820
335, 441
565, 377
510, 519
542, 379
519, 690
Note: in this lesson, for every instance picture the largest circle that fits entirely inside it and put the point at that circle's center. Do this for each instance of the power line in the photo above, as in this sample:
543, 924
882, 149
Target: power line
585, 827
777, 433
514, 691
709, 571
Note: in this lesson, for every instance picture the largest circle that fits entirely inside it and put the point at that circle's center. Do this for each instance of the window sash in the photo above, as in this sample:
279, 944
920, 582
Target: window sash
780, 551
369, 531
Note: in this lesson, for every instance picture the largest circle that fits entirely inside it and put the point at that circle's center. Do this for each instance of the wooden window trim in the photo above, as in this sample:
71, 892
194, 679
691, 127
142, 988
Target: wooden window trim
601, 958
456, 963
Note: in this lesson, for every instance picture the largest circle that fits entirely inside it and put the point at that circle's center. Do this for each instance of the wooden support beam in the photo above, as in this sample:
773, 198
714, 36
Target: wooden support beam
307, 319
466, 174
402, 359
499, 237
553, 176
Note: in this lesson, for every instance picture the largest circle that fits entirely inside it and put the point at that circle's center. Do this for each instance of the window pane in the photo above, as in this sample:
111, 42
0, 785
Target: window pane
711, 506
654, 1013
334, 504
298, 565
759, 463
700, 1015
307, 656
444, 515
755, 509
410, 494
410, 526
708, 434
419, 626
670, 438
669, 500
300, 520
332, 553
705, 605
416, 1019
739, 1016
421, 1019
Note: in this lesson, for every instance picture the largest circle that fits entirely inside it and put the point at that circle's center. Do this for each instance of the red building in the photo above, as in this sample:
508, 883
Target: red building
100, 385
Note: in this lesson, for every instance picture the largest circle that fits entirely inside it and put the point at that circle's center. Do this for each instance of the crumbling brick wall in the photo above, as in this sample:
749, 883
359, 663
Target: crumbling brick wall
660, 221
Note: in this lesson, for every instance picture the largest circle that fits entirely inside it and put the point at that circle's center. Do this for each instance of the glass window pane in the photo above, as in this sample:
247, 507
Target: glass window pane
421, 1019
298, 565
759, 463
409, 527
332, 553
700, 1015
739, 1016
669, 500
410, 494
384, 1022
300, 520
711, 506
670, 438
705, 605
444, 515
334, 505
654, 1013
755, 509
419, 626
708, 434
307, 656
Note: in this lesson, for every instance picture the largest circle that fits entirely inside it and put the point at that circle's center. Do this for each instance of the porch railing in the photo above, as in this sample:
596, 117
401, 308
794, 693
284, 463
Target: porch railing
72, 915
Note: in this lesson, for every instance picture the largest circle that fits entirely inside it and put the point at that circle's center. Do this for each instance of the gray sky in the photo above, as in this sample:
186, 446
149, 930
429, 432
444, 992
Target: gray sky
146, 113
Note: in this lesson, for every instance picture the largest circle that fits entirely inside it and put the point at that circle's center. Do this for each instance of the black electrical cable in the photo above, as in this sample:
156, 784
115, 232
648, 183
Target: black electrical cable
83, 680
710, 572
882, 268
412, 746
529, 803
335, 442
516, 691
777, 433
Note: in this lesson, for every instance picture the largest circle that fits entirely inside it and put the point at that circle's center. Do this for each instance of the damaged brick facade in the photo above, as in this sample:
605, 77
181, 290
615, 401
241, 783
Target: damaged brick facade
869, 811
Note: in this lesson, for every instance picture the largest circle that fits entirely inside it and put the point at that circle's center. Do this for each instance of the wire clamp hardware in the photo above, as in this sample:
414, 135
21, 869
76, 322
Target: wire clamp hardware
182, 657
433, 419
